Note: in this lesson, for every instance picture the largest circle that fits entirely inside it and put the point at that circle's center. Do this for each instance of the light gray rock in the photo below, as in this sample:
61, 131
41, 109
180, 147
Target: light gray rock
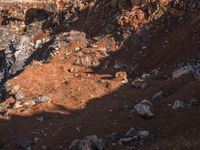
144, 109
194, 69
17, 54
88, 143
181, 71
139, 83
178, 104
134, 135
146, 76
19, 95
41, 99
158, 96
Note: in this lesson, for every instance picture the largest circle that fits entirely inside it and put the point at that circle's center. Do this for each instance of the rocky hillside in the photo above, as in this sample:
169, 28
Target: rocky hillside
99, 75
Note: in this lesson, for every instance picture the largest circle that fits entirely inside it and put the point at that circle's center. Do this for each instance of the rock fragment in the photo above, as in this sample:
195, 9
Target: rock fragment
194, 104
190, 68
88, 143
158, 96
178, 104
181, 71
19, 95
26, 143
144, 109
17, 54
122, 76
134, 135
41, 99
139, 83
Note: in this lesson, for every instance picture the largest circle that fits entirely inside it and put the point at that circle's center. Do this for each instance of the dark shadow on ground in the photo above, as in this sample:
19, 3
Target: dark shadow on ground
171, 128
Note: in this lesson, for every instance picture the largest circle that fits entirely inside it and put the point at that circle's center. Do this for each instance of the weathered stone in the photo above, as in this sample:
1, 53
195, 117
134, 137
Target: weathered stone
179, 72
143, 109
41, 99
17, 105
158, 96
178, 104
19, 95
17, 54
134, 135
194, 69
121, 76
194, 104
139, 83
25, 143
88, 143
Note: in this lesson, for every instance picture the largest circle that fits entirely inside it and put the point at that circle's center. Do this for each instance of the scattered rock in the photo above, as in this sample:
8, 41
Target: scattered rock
41, 119
14, 91
155, 74
158, 96
117, 65
32, 102
26, 143
17, 54
194, 104
88, 143
73, 70
146, 76
178, 104
183, 70
121, 76
194, 69
76, 36
19, 95
143, 109
135, 135
17, 105
139, 83
41, 99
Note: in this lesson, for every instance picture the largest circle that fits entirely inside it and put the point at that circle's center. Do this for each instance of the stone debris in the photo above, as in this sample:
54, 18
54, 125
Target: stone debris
121, 76
146, 76
14, 91
17, 54
194, 69
88, 143
178, 104
183, 70
41, 99
139, 83
156, 74
17, 105
76, 36
158, 95
144, 109
194, 104
19, 95
73, 70
32, 102
6, 36
135, 135
25, 144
